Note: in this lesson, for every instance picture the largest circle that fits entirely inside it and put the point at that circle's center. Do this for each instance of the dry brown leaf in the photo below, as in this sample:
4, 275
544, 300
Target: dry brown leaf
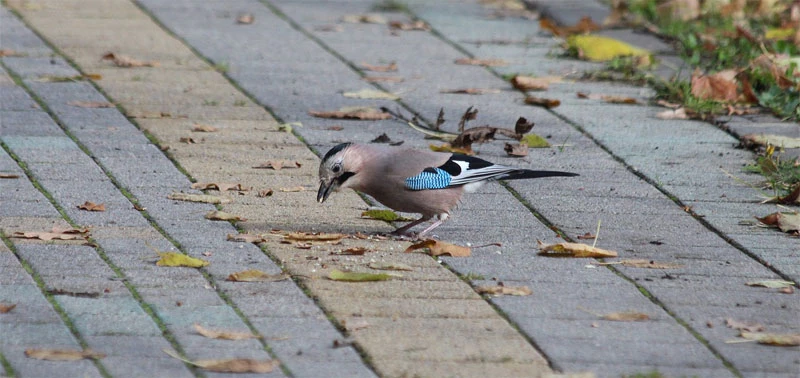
448, 148
292, 189
439, 248
223, 216
255, 275
743, 326
406, 26
220, 186
55, 234
517, 149
529, 83
644, 263
246, 238
205, 198
120, 60
245, 19
566, 249
721, 86
775, 339
786, 222
187, 140
91, 206
391, 67
383, 79
481, 62
6, 308
585, 25
62, 354
354, 251
7, 52
305, 236
91, 104
608, 98
471, 91
586, 236
627, 316
9, 176
264, 193
231, 365
543, 102
359, 113
278, 164
224, 335
679, 113
499, 290
204, 128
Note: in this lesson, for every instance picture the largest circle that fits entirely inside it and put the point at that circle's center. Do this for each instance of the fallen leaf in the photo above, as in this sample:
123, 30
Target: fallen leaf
224, 335
223, 216
371, 94
775, 140
786, 222
440, 248
608, 98
627, 316
338, 275
304, 236
221, 186
175, 259
586, 236
177, 196
231, 365
358, 113
62, 354
91, 206
517, 149
471, 91
264, 193
9, 176
364, 19
644, 263
91, 104
354, 324
390, 266
529, 83
292, 189
584, 25
600, 49
6, 308
406, 26
772, 284
535, 141
775, 339
120, 60
55, 234
187, 140
384, 215
679, 113
246, 238
204, 128
391, 67
353, 251
278, 164
721, 86
481, 62
383, 79
500, 290
245, 19
743, 326
543, 102
63, 79
566, 249
7, 52
255, 275
448, 148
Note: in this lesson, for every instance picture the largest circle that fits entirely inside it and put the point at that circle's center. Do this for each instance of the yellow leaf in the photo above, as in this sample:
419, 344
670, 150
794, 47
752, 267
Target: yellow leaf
600, 49
62, 354
779, 33
224, 335
255, 275
439, 248
179, 259
448, 148
338, 275
504, 290
566, 249
535, 141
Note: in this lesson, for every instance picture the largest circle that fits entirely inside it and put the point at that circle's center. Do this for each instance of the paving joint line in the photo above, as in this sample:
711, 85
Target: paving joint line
153, 223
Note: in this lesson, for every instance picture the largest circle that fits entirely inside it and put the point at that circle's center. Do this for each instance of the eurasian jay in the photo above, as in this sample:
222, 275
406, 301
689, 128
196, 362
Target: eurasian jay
412, 181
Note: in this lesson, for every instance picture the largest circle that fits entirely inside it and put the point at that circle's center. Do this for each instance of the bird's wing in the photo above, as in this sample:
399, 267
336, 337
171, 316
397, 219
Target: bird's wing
458, 170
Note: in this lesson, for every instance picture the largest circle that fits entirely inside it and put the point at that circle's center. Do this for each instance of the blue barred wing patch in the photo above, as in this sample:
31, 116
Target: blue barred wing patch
430, 178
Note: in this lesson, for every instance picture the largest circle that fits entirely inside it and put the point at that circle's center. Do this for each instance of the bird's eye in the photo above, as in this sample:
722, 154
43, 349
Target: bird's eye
336, 168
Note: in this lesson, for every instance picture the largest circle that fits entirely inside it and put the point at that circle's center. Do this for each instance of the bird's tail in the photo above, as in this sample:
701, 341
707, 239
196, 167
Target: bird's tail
527, 174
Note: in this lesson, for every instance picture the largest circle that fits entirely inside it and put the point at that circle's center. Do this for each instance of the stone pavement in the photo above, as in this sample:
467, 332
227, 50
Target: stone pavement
639, 174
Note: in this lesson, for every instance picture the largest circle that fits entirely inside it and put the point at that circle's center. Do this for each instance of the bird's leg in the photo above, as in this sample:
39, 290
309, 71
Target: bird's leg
403, 231
442, 217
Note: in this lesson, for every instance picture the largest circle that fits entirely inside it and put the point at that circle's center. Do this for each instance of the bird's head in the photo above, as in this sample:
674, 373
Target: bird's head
334, 171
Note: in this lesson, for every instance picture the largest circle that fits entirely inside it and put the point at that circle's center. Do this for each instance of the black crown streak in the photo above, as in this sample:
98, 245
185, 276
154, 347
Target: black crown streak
335, 150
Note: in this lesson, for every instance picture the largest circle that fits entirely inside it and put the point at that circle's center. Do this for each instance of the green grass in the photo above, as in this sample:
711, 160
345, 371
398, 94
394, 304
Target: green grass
782, 176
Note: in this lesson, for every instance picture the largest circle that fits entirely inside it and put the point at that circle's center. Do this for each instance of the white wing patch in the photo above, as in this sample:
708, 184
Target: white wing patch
474, 175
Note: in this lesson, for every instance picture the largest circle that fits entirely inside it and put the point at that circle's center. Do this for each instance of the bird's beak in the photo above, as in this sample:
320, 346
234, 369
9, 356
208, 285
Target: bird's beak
325, 190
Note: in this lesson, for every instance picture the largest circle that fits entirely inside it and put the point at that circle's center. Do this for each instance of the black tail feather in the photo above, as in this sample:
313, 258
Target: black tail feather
527, 174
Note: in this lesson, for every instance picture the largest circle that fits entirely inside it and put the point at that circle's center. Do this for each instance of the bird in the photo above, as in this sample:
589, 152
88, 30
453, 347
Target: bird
412, 181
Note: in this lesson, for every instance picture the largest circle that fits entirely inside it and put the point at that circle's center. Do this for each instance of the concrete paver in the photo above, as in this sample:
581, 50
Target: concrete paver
427, 323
